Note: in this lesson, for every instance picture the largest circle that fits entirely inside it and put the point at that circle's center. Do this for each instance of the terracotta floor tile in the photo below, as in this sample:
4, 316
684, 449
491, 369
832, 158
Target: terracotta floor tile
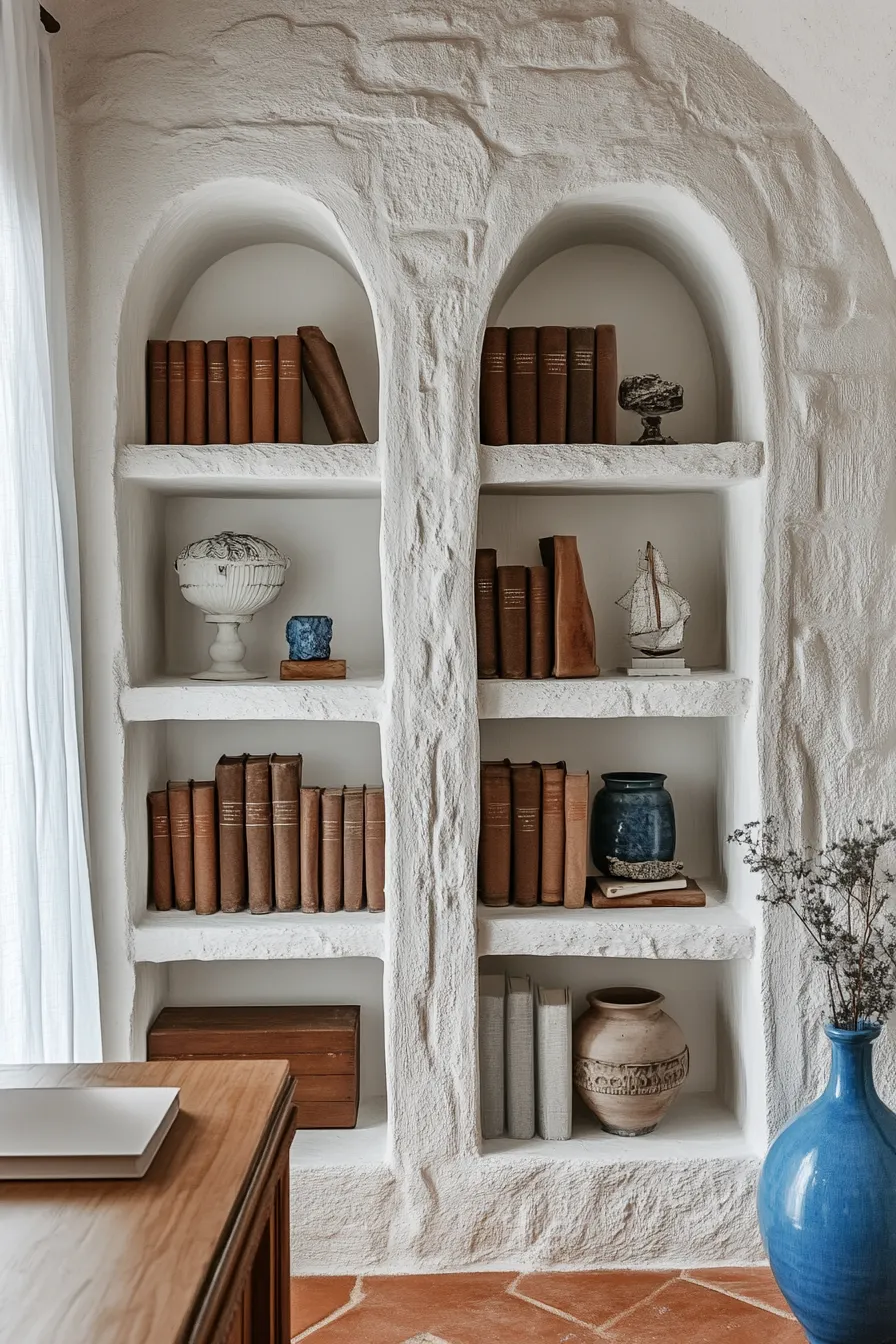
312, 1300
593, 1297
685, 1311
757, 1283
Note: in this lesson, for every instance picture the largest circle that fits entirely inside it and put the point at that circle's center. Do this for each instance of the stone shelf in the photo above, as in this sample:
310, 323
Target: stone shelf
616, 696
174, 935
355, 700
253, 469
598, 466
365, 1145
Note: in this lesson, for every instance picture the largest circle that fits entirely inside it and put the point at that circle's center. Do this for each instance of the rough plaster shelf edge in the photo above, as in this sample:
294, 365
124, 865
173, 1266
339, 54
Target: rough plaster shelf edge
364, 1146
250, 467
678, 467
615, 696
355, 700
172, 935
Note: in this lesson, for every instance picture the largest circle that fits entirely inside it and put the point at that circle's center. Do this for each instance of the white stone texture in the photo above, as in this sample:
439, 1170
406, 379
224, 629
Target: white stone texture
692, 466
617, 696
164, 936
356, 700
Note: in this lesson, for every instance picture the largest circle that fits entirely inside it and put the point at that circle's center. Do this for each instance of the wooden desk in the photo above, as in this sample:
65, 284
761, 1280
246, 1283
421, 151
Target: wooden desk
197, 1252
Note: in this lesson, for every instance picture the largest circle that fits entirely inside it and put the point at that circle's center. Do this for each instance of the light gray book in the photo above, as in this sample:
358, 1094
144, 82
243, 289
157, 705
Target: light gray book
520, 1058
553, 1050
491, 1055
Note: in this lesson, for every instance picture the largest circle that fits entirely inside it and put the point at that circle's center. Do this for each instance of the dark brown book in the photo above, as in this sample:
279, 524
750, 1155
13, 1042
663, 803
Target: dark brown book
353, 849
177, 392
552, 380
180, 819
161, 881
576, 823
259, 835
331, 849
574, 649
553, 832
239, 394
156, 391
286, 780
580, 386
323, 371
513, 621
375, 848
541, 622
309, 849
525, 797
522, 380
289, 389
485, 604
264, 389
230, 782
197, 393
494, 419
691, 895
205, 847
606, 385
494, 833
216, 365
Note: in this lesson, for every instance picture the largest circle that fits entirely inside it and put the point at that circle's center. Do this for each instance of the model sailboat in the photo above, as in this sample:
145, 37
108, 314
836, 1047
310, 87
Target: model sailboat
657, 615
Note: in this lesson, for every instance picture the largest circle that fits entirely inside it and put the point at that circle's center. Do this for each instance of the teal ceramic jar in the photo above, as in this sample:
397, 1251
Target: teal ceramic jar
632, 819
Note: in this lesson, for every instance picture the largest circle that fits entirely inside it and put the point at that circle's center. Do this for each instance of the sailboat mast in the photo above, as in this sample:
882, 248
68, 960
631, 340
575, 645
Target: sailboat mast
656, 591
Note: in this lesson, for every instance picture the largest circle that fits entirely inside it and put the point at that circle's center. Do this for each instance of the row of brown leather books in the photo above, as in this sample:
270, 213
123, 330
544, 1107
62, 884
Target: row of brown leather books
533, 835
548, 385
254, 838
246, 389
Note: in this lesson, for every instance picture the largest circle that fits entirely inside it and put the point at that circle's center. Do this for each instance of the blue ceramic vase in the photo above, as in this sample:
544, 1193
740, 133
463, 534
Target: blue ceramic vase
632, 819
827, 1204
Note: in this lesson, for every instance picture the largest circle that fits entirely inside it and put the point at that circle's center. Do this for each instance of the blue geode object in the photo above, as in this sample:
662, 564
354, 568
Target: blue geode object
309, 637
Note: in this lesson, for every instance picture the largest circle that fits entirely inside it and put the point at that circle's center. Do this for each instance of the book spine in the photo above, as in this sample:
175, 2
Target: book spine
491, 1055
331, 849
205, 848
264, 390
216, 366
239, 395
494, 422
289, 389
161, 881
574, 651
580, 417
259, 836
525, 790
230, 782
375, 848
309, 849
552, 380
325, 377
353, 849
522, 378
180, 816
513, 621
485, 603
286, 777
553, 833
541, 622
606, 385
177, 392
576, 822
156, 391
197, 392
494, 833
553, 1068
520, 1060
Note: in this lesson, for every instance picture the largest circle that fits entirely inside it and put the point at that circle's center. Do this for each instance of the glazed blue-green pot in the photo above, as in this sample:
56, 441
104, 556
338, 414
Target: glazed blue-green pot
632, 819
827, 1204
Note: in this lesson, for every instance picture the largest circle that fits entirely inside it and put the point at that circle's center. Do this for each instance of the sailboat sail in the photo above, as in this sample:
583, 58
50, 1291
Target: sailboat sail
657, 612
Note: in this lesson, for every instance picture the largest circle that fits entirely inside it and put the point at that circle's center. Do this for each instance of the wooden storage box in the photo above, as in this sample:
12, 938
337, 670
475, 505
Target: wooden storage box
320, 1045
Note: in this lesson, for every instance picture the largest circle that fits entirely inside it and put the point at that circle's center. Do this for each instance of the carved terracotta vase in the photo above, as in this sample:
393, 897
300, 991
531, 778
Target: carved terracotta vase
629, 1059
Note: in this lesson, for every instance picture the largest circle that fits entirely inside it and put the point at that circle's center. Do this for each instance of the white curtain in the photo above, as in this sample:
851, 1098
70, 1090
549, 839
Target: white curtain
49, 999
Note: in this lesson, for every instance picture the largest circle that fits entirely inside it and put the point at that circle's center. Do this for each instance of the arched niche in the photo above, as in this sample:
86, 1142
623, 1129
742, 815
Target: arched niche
247, 257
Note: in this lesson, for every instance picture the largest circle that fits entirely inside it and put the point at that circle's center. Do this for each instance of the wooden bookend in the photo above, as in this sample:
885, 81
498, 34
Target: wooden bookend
312, 669
574, 651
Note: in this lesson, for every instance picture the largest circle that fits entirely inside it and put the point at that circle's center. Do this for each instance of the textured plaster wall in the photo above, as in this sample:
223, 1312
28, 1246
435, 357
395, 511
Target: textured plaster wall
439, 137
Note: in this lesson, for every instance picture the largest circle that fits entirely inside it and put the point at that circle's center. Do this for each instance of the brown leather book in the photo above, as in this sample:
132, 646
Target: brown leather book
156, 391
525, 797
239, 395
485, 604
522, 380
216, 364
289, 389
322, 369
574, 651
353, 849
161, 882
513, 621
375, 848
230, 782
494, 833
177, 392
286, 780
331, 849
180, 818
494, 422
606, 385
541, 622
264, 389
205, 847
576, 822
553, 832
197, 393
552, 380
259, 835
580, 387
309, 849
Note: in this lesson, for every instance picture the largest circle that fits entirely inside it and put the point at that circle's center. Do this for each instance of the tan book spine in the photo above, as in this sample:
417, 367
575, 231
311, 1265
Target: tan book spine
574, 648
205, 847
309, 849
156, 391
522, 377
177, 392
513, 621
289, 389
239, 395
525, 793
197, 393
485, 605
264, 389
353, 849
325, 377
606, 384
375, 848
552, 381
286, 780
331, 849
494, 833
161, 877
541, 622
216, 366
230, 782
580, 387
553, 833
180, 816
576, 822
494, 422
259, 835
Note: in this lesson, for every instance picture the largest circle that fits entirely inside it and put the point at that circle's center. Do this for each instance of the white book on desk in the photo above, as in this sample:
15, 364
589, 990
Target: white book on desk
520, 1058
82, 1133
553, 1063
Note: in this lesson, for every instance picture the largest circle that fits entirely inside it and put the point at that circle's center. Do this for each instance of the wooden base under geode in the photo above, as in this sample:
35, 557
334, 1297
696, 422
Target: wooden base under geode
312, 669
